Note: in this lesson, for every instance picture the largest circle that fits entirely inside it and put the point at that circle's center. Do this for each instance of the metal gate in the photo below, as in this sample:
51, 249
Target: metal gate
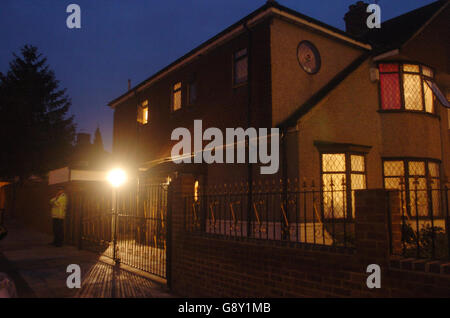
127, 225
141, 228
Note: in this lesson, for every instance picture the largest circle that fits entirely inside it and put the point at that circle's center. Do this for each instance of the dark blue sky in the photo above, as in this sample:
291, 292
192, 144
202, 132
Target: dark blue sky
122, 39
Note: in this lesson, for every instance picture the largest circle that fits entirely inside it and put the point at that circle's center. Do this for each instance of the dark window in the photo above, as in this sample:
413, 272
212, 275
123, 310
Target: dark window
240, 70
404, 86
192, 92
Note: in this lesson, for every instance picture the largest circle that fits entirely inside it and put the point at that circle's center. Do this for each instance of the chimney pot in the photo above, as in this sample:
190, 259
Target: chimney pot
356, 19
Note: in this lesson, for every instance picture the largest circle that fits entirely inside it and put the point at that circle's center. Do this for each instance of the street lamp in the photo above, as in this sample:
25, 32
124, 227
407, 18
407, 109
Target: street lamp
116, 177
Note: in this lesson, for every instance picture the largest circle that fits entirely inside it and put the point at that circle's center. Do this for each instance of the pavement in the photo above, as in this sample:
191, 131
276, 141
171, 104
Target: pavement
40, 270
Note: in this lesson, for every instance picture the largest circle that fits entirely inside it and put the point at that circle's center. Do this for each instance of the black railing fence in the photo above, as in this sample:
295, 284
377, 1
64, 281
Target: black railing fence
142, 228
95, 229
425, 223
293, 213
129, 226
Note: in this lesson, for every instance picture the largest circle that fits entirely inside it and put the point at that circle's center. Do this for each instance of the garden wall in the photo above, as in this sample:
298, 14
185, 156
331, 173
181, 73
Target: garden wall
207, 266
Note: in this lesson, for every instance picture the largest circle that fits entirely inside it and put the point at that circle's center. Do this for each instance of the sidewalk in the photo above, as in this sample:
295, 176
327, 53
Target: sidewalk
39, 269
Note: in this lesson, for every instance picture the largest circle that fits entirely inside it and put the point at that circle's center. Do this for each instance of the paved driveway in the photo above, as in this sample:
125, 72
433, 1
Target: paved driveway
39, 269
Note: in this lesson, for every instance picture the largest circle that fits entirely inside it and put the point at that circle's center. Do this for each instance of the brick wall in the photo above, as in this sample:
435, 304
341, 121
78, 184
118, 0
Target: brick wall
219, 103
211, 267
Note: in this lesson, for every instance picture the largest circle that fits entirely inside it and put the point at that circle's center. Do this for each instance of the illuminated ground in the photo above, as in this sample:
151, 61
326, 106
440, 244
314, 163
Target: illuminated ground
39, 270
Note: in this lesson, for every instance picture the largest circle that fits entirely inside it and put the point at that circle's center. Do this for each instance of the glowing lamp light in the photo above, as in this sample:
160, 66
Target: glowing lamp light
117, 177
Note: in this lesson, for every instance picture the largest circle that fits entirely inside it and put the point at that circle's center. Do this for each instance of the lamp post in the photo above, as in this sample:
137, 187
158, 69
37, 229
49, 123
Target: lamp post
116, 177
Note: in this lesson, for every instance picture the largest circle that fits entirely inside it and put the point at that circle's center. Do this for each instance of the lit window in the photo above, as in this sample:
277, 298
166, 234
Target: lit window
428, 72
176, 96
196, 190
142, 115
394, 172
444, 100
240, 71
419, 182
428, 95
337, 169
412, 91
192, 92
411, 68
404, 86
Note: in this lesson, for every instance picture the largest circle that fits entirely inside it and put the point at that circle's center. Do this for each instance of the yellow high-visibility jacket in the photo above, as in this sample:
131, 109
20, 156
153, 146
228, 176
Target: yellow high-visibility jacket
59, 205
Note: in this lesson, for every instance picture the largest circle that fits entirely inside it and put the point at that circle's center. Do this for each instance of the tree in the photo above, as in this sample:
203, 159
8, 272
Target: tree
36, 135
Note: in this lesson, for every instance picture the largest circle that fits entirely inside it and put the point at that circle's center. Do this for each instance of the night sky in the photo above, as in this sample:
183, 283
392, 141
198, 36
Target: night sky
121, 39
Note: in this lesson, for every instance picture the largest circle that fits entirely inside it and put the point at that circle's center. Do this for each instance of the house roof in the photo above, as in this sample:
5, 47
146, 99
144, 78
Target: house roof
394, 33
271, 7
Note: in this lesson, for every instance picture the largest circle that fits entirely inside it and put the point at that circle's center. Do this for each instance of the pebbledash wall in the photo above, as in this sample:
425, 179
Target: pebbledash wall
203, 266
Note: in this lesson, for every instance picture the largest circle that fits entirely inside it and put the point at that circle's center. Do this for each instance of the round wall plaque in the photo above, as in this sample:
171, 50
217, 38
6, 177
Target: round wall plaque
308, 57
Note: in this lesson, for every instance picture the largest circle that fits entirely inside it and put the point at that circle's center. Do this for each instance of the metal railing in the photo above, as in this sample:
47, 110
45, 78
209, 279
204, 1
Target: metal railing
142, 228
425, 223
303, 216
95, 218
131, 230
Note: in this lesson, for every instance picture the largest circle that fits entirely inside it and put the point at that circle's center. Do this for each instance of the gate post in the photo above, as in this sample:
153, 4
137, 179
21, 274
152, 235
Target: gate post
377, 227
169, 237
80, 219
179, 188
114, 225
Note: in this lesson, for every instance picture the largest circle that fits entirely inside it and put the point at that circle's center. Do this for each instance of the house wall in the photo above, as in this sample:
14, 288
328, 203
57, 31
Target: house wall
350, 114
347, 115
430, 47
219, 104
291, 85
125, 132
411, 135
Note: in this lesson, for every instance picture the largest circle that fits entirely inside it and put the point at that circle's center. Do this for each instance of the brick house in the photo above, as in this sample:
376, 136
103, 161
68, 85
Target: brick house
356, 109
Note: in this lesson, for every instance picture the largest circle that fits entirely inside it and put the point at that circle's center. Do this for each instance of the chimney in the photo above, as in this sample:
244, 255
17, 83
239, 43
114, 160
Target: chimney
129, 84
356, 19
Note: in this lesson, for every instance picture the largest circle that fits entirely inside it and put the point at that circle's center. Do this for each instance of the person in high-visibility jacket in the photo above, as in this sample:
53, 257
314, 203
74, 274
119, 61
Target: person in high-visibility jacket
59, 205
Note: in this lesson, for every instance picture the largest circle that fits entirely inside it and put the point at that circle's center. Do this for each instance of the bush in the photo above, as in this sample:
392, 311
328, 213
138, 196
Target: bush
426, 234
